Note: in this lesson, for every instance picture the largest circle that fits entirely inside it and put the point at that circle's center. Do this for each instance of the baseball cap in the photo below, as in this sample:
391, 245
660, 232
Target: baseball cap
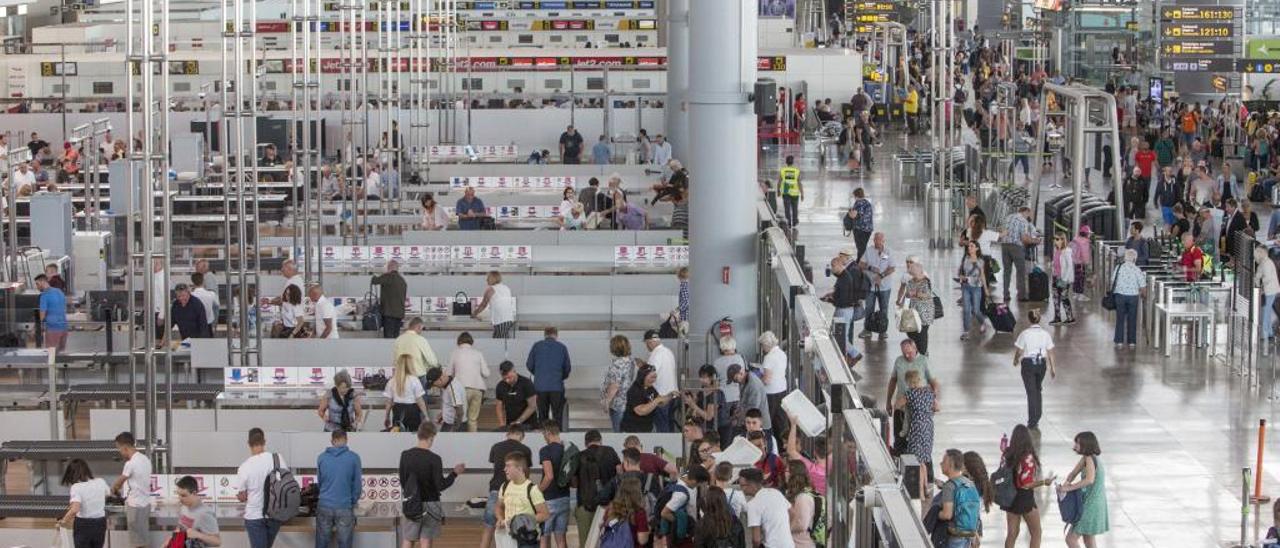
651, 334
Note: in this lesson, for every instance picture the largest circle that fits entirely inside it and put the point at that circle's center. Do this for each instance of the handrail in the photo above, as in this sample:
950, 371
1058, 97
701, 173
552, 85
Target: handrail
866, 487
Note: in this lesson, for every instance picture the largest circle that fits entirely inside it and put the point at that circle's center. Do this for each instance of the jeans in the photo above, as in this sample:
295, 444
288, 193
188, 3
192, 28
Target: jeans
261, 532
1033, 370
89, 532
860, 239
1268, 316
1166, 215
553, 403
791, 209
391, 327
615, 419
1126, 319
959, 542
558, 522
662, 419
490, 517
878, 300
843, 319
1013, 256
1020, 158
971, 298
339, 522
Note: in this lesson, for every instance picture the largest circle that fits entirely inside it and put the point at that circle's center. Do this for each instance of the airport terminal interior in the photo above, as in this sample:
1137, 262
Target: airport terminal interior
631, 273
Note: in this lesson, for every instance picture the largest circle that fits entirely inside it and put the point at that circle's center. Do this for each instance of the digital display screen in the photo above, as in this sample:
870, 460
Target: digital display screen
1198, 30
1193, 48
646, 24
1198, 13
1155, 89
1198, 65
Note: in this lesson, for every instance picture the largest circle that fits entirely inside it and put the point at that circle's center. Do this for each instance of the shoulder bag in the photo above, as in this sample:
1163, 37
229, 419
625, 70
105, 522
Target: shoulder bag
1109, 300
908, 320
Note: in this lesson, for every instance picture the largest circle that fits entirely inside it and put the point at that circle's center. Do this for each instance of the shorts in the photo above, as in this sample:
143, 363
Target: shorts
56, 340
491, 510
559, 520
138, 520
427, 527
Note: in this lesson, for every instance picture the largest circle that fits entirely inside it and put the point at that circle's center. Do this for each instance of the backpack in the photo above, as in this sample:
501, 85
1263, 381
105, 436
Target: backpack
411, 499
282, 495
592, 492
681, 528
617, 534
818, 527
568, 466
967, 506
523, 528
861, 285
1003, 485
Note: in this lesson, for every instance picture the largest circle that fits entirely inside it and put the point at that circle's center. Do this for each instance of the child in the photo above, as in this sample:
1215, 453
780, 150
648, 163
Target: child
453, 401
1063, 276
196, 519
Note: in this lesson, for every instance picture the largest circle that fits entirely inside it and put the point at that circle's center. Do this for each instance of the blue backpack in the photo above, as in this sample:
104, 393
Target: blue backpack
617, 534
967, 506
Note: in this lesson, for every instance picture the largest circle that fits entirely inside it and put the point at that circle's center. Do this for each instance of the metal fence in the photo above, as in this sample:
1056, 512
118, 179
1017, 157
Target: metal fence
869, 505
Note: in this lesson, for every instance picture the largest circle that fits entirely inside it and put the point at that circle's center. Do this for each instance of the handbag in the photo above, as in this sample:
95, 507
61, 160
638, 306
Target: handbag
937, 307
1071, 505
62, 538
908, 320
461, 304
1109, 300
371, 320
374, 382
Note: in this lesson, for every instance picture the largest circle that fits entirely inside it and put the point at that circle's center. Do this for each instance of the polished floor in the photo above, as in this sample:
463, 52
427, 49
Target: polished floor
1175, 432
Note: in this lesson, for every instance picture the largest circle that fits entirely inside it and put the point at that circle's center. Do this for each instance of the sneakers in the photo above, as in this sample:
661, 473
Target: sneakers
964, 336
1132, 346
1119, 346
881, 338
1070, 321
864, 334
1055, 322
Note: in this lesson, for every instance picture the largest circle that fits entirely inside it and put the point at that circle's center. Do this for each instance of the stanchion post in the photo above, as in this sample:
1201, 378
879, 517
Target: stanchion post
1258, 497
1244, 507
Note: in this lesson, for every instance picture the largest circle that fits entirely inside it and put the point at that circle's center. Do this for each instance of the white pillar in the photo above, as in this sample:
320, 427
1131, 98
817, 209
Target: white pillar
722, 163
675, 114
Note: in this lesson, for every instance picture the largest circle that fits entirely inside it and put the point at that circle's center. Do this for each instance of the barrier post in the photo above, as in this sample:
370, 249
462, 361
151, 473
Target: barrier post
1244, 507
1258, 497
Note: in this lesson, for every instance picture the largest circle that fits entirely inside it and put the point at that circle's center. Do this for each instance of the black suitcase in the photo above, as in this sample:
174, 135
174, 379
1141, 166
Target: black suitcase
1001, 317
1038, 285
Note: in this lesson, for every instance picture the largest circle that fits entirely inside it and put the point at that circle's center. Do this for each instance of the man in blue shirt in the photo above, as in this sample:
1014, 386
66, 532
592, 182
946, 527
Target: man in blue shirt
469, 210
338, 473
53, 314
600, 153
549, 363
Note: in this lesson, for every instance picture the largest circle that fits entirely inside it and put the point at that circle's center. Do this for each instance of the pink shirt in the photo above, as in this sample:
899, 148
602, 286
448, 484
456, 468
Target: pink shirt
1080, 250
817, 475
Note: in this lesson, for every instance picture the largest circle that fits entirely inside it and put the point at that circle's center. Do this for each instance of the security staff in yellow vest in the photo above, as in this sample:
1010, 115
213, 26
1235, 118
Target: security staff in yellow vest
791, 190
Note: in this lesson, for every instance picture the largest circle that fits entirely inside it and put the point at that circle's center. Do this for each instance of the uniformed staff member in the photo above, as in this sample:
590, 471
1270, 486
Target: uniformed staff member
791, 190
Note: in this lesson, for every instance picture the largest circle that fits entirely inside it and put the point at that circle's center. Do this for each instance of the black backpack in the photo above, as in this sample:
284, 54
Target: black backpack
592, 492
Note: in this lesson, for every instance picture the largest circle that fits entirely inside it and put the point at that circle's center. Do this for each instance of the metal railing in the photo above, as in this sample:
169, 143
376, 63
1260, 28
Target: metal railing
869, 505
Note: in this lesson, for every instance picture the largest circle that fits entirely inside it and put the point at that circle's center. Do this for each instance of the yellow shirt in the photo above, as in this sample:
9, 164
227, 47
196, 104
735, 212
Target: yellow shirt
417, 346
912, 103
518, 499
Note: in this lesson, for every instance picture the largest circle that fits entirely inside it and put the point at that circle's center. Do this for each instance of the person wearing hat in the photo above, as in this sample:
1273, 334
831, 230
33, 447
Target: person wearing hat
849, 294
663, 362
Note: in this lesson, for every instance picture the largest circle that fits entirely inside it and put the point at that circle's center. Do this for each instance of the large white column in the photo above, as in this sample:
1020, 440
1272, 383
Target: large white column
722, 165
675, 113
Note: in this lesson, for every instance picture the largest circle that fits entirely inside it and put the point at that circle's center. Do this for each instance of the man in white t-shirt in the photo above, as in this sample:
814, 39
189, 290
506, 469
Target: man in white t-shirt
768, 512
137, 498
251, 480
326, 315
664, 364
685, 495
207, 298
24, 180
774, 365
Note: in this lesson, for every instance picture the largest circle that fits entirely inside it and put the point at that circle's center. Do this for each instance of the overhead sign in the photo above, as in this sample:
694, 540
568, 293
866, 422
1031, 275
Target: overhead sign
1219, 31
1198, 13
1197, 48
1262, 48
1258, 66
774, 63
1198, 65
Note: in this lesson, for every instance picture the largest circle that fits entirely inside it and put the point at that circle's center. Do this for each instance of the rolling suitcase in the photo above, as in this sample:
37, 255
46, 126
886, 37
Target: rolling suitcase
1038, 285
1001, 317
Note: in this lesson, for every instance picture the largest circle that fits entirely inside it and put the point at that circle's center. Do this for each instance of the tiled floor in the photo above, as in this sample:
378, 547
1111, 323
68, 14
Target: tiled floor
1175, 432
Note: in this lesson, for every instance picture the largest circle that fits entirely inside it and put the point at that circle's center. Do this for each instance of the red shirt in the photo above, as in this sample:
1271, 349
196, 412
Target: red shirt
1188, 262
1026, 472
1145, 159
652, 464
771, 466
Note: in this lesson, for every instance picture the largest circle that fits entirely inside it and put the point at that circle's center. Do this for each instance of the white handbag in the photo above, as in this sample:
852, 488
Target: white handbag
908, 320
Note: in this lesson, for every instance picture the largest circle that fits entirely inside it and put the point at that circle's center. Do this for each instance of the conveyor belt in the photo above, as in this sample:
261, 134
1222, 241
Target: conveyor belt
116, 391
45, 450
33, 506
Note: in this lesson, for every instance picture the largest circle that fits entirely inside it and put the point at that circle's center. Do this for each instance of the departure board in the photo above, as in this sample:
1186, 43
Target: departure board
1202, 42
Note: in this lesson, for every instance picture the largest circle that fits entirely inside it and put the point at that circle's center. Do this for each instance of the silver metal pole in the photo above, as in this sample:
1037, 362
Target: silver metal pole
131, 178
